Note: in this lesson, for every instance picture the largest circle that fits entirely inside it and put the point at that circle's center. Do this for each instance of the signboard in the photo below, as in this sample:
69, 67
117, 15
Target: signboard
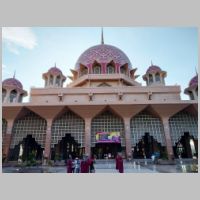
108, 137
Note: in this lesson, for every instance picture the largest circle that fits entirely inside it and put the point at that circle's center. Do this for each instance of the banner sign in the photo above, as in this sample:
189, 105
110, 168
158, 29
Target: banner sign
108, 137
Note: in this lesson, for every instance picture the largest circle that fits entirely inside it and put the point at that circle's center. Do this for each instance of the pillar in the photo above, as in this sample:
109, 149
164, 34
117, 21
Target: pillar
127, 136
168, 140
88, 136
47, 150
7, 138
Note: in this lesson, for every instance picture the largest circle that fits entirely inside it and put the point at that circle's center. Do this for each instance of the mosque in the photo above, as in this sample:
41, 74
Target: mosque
104, 110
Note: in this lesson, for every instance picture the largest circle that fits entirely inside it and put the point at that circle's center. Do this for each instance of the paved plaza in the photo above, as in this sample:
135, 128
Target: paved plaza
109, 167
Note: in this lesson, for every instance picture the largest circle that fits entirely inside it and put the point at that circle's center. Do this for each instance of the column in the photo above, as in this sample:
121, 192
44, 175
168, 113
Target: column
54, 80
168, 141
7, 97
88, 136
154, 78
47, 150
127, 136
7, 139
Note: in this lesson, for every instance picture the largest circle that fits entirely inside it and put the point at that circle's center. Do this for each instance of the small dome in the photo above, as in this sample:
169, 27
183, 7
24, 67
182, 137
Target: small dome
103, 53
54, 71
194, 81
153, 69
12, 82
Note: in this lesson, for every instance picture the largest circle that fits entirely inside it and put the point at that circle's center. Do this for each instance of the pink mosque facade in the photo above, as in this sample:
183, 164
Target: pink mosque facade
103, 96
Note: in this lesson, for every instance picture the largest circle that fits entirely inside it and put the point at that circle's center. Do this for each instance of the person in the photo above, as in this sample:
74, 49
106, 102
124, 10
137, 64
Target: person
70, 165
116, 161
76, 165
91, 164
85, 165
120, 164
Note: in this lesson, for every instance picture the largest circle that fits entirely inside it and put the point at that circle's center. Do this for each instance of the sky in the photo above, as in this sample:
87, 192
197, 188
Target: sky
31, 51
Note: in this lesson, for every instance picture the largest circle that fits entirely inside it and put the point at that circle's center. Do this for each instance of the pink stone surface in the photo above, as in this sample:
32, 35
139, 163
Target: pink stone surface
55, 71
103, 53
12, 82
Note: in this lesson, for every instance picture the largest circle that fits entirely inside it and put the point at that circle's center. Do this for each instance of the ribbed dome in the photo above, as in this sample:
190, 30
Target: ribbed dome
55, 71
194, 81
12, 82
103, 53
153, 69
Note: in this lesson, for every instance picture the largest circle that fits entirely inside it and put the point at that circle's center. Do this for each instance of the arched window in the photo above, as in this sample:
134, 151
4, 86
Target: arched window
157, 77
51, 80
13, 96
110, 69
123, 70
97, 69
58, 80
191, 95
20, 98
196, 91
150, 78
3, 94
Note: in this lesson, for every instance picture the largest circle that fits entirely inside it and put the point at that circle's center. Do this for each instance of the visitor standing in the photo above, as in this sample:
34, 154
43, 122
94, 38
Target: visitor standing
85, 165
120, 164
76, 165
91, 164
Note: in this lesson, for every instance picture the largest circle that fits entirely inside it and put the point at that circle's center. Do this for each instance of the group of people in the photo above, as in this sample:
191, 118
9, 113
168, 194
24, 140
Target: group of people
86, 165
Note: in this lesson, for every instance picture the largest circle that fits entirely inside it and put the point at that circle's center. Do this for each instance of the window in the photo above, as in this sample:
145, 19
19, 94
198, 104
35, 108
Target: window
97, 69
157, 77
196, 91
110, 69
58, 80
51, 80
20, 98
3, 94
191, 95
13, 96
123, 70
83, 71
150, 78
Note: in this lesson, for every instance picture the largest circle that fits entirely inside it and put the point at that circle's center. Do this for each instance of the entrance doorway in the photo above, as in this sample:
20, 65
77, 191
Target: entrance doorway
186, 147
27, 149
67, 146
147, 146
106, 150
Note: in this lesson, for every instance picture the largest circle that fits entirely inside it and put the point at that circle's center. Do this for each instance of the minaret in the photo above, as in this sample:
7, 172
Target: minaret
102, 38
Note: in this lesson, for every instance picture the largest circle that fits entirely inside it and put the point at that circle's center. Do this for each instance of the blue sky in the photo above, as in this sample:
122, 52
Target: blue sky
32, 51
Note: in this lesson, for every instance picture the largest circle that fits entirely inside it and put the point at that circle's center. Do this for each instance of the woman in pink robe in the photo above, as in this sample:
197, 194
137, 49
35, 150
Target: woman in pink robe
120, 164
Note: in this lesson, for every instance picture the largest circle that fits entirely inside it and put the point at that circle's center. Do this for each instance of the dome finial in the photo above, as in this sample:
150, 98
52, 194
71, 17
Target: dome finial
55, 64
102, 39
14, 74
151, 63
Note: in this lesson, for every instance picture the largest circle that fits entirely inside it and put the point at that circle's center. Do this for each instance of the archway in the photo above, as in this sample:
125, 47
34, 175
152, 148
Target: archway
183, 127
65, 147
67, 130
27, 149
30, 124
107, 135
147, 135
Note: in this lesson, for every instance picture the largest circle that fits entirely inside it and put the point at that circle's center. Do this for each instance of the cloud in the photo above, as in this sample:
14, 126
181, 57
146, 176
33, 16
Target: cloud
18, 37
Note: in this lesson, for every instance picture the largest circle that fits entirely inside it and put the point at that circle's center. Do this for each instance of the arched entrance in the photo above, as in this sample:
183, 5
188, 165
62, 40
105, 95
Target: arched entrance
147, 135
68, 132
184, 134
147, 146
186, 147
107, 135
29, 129
27, 149
65, 147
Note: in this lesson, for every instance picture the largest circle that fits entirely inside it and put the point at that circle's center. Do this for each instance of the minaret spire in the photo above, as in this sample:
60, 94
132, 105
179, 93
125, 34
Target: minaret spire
151, 63
102, 39
14, 74
55, 64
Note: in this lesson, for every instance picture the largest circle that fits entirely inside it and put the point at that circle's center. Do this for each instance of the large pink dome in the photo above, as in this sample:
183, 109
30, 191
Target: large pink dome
12, 82
103, 53
153, 69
